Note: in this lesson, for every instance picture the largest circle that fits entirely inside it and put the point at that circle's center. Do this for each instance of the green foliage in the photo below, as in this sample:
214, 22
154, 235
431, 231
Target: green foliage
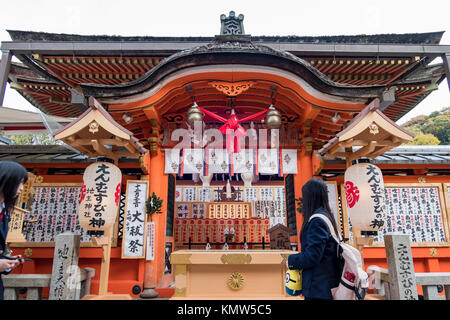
430, 130
299, 202
153, 205
424, 139
439, 126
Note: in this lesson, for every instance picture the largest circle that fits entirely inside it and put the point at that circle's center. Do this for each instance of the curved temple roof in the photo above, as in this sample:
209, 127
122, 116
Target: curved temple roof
47, 77
234, 53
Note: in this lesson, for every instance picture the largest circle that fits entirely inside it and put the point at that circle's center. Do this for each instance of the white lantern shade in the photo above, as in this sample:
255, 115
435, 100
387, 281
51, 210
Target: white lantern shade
364, 191
100, 197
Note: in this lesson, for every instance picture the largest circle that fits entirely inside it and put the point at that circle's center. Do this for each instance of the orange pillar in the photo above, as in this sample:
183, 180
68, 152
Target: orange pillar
304, 167
154, 270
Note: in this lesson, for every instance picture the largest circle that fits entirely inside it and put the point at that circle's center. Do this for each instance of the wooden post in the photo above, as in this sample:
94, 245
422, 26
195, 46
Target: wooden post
446, 59
106, 261
359, 242
154, 270
103, 294
5, 65
304, 169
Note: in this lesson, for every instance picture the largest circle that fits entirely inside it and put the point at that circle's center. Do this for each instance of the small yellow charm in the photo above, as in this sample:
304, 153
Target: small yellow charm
236, 281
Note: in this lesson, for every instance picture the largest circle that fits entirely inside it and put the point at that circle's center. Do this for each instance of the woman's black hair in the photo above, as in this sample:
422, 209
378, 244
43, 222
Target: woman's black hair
11, 175
315, 196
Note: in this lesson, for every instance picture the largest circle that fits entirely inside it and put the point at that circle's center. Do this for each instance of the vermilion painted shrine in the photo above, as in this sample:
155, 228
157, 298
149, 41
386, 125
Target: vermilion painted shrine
225, 130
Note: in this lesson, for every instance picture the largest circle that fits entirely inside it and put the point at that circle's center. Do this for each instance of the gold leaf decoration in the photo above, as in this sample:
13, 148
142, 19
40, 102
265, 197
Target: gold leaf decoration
236, 259
235, 281
433, 252
232, 89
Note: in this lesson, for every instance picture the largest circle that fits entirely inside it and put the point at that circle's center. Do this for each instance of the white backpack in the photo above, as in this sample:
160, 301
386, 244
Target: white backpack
354, 280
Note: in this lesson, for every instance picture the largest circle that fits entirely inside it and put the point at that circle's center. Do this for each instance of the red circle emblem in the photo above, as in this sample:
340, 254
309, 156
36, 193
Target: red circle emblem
351, 193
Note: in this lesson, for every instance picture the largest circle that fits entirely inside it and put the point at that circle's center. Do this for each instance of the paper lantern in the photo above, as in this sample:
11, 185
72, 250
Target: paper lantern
100, 196
364, 191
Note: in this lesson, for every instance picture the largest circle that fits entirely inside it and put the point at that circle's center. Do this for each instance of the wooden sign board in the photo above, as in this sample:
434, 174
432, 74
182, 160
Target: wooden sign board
446, 192
150, 241
55, 207
333, 201
195, 193
15, 226
270, 209
195, 210
199, 230
191, 201
134, 233
229, 210
416, 209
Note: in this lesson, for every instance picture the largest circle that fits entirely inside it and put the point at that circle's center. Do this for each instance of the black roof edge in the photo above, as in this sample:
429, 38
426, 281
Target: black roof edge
404, 38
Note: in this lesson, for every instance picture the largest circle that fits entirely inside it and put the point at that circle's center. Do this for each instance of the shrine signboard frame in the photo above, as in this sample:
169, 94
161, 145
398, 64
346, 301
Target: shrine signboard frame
446, 191
49, 244
442, 204
126, 217
343, 227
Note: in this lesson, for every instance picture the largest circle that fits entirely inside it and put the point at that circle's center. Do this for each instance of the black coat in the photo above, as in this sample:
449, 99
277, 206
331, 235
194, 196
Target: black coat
3, 234
318, 259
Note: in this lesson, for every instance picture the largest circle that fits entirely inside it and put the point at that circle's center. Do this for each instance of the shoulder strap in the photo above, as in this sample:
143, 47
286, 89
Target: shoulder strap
330, 226
333, 234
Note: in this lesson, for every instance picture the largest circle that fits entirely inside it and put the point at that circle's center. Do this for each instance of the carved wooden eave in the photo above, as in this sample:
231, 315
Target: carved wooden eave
95, 133
220, 52
371, 130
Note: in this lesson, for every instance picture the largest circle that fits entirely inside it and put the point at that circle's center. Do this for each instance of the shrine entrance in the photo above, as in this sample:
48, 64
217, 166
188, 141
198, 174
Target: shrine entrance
232, 139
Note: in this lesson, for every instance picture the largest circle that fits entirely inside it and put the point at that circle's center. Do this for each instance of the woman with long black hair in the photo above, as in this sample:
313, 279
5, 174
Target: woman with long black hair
318, 256
12, 178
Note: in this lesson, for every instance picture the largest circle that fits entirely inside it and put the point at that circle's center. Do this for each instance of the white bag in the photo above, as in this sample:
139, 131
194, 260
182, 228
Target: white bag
354, 280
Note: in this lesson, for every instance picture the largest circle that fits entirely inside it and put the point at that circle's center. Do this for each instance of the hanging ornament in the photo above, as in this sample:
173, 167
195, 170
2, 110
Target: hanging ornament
273, 118
231, 126
194, 114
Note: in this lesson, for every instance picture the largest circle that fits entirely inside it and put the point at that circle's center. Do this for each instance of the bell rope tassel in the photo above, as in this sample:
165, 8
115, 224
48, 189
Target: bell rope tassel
233, 125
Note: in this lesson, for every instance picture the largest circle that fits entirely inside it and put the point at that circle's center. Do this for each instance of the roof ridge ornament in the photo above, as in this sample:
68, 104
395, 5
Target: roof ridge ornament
232, 29
232, 25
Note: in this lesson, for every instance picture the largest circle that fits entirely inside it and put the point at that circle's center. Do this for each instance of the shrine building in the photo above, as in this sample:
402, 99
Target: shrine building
225, 130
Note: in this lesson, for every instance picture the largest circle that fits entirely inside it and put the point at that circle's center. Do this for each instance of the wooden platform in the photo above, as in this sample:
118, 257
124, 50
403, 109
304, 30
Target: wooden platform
231, 274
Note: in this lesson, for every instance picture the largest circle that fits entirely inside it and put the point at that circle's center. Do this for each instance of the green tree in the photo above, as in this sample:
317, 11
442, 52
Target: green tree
438, 126
419, 120
424, 139
430, 129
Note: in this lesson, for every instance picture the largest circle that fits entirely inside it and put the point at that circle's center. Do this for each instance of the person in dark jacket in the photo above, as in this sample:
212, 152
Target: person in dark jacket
318, 257
12, 178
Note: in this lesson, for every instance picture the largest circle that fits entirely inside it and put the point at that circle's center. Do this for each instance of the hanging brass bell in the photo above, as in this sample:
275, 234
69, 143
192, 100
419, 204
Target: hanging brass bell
273, 118
194, 114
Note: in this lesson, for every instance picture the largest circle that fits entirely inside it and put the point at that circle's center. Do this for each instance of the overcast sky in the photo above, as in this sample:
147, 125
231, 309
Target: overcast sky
201, 18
